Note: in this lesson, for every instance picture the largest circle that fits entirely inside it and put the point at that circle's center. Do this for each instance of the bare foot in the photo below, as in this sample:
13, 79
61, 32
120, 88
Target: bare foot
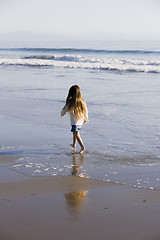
72, 146
82, 150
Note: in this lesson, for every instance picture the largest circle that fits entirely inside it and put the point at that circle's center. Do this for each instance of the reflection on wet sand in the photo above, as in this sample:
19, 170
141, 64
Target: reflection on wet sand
77, 164
76, 200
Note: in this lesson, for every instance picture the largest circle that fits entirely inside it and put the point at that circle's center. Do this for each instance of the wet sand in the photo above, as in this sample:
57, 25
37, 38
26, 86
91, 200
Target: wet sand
68, 207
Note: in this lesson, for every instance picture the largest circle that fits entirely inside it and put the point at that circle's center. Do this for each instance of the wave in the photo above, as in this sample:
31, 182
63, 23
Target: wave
69, 58
81, 50
74, 58
79, 62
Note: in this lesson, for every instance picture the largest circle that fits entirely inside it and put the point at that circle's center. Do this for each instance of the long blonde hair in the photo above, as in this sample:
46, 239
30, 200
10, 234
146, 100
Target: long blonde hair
76, 104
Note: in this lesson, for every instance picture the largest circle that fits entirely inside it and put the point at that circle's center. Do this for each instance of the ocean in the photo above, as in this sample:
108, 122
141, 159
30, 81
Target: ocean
120, 82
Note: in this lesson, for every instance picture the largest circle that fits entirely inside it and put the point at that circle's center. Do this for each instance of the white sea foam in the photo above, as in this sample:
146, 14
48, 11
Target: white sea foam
69, 61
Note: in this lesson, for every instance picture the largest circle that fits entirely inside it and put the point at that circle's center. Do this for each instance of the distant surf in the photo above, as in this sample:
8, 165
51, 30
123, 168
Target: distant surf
79, 62
83, 58
81, 50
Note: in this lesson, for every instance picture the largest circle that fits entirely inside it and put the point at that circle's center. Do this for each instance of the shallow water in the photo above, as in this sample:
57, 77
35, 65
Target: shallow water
121, 137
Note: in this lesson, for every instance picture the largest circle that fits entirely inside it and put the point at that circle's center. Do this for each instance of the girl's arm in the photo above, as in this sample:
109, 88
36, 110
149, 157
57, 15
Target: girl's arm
86, 116
64, 110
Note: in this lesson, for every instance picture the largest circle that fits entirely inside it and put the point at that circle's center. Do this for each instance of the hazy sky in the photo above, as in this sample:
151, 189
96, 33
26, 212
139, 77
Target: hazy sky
74, 17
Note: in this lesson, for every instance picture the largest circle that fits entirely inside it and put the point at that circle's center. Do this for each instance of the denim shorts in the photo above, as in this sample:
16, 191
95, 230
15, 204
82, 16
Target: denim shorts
76, 128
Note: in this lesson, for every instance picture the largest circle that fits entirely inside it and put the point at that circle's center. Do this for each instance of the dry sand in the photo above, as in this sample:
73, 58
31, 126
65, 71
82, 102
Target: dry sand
69, 207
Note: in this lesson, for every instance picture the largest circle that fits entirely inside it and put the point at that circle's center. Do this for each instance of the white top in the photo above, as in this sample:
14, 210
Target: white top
73, 117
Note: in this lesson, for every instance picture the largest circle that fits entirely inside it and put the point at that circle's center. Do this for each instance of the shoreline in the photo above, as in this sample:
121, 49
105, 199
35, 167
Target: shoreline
60, 207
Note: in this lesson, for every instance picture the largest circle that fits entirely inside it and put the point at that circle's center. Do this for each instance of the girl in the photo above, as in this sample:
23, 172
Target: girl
77, 109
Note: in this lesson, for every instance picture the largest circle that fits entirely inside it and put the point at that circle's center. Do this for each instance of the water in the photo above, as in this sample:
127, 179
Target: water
85, 56
120, 82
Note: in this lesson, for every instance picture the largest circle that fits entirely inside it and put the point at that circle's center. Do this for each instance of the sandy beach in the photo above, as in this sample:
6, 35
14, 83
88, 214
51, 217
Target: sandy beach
67, 207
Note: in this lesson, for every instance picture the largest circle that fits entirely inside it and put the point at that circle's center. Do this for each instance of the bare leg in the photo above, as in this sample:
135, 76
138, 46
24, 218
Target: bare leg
79, 139
74, 140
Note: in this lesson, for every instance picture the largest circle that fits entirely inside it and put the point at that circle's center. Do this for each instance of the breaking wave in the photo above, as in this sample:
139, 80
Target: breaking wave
79, 62
79, 58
